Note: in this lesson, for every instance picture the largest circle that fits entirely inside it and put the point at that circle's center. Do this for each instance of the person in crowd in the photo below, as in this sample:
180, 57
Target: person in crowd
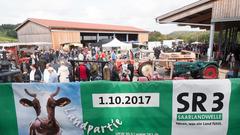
25, 69
53, 77
80, 56
130, 67
106, 72
157, 52
82, 72
63, 72
125, 78
51, 55
103, 56
94, 71
113, 56
155, 76
57, 54
236, 65
42, 63
119, 54
115, 74
33, 60
35, 74
88, 56
46, 73
96, 56
124, 67
46, 56
55, 65
231, 59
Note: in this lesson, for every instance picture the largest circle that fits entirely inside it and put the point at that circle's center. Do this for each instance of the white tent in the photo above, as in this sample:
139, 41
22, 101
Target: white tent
115, 43
196, 43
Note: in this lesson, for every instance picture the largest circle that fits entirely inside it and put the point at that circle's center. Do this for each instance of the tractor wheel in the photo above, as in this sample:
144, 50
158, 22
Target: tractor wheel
210, 72
145, 69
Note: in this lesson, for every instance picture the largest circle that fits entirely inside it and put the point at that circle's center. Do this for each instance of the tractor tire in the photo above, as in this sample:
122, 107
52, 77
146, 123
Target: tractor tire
145, 69
210, 72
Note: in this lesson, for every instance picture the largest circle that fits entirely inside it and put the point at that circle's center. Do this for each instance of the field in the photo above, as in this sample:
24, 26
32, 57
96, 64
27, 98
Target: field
5, 38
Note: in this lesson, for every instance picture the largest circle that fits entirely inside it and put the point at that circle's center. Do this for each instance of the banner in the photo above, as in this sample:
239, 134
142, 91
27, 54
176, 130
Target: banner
189, 107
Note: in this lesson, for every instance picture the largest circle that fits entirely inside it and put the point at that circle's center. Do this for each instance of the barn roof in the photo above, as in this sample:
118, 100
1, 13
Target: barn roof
56, 24
197, 14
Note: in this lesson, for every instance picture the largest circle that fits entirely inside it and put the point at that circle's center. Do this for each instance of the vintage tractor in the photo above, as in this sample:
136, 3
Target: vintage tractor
7, 73
197, 69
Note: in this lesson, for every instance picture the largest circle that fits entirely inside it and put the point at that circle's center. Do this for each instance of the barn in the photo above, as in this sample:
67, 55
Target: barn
60, 32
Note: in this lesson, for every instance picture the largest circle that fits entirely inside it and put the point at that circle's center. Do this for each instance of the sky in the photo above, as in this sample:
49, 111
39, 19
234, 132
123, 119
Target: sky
138, 13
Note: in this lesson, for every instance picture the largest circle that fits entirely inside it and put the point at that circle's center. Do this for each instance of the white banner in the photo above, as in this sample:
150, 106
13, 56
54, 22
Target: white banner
200, 107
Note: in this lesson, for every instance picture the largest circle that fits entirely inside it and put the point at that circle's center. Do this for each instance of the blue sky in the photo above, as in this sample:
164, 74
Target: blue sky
139, 13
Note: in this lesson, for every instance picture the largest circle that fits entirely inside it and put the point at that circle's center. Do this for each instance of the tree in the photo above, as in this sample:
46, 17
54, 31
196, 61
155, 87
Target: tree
156, 36
8, 30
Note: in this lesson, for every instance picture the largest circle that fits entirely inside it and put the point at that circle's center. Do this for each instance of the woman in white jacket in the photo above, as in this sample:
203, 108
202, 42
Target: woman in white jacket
63, 72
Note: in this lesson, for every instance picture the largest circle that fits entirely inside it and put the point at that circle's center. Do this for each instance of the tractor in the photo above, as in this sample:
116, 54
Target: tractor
197, 69
8, 73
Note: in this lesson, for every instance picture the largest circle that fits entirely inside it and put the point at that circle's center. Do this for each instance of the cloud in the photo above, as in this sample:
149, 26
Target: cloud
139, 13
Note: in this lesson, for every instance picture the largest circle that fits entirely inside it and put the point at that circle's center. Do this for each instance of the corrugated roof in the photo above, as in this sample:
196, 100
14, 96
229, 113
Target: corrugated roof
183, 9
56, 24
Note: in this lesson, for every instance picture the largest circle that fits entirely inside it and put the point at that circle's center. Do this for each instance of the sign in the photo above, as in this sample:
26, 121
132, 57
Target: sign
119, 108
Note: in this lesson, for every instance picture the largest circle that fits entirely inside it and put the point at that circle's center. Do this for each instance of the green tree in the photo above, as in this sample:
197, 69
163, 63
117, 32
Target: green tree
156, 36
8, 33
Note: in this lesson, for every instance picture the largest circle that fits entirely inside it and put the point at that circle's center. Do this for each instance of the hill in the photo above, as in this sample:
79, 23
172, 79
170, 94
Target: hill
7, 33
187, 36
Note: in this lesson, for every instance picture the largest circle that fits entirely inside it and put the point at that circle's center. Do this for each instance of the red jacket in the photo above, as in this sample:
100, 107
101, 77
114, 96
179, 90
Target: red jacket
83, 72
103, 55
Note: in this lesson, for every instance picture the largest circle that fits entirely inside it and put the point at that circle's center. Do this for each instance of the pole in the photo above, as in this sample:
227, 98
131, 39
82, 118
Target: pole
98, 37
211, 41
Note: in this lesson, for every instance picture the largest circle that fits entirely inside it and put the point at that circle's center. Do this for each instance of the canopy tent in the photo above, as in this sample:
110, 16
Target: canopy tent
115, 43
101, 42
196, 43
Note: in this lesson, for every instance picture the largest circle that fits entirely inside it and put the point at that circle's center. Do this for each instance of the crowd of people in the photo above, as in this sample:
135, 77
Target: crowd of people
54, 66
89, 64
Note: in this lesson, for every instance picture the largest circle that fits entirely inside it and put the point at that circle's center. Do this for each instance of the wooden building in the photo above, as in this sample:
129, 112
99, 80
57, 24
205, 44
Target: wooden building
214, 15
61, 32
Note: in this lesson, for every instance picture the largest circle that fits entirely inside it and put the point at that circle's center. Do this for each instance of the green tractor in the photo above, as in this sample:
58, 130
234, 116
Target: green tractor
197, 70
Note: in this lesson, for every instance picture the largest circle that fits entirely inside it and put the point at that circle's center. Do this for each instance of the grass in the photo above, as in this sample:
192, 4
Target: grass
4, 38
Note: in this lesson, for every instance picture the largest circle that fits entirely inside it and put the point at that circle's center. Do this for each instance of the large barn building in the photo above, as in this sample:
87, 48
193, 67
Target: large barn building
61, 32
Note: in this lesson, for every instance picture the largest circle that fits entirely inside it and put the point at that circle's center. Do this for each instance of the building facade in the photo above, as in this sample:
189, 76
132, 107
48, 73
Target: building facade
61, 32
